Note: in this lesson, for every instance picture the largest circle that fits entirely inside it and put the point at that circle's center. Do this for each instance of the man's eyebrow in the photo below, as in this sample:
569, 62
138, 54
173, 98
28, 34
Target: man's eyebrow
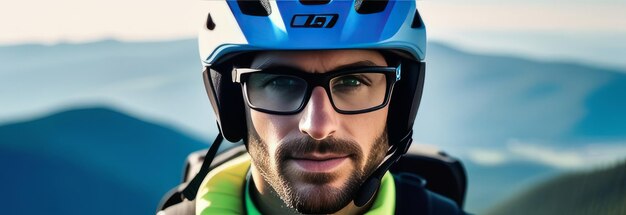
362, 63
274, 65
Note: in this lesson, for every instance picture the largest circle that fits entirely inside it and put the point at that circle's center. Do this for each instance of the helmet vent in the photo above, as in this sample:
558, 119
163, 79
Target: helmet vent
370, 6
314, 2
209, 23
417, 20
255, 7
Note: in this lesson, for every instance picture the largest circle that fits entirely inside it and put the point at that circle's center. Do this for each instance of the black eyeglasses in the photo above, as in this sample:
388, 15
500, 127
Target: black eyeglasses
286, 90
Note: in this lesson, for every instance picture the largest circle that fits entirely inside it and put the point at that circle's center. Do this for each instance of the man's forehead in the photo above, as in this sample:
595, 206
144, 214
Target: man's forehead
320, 60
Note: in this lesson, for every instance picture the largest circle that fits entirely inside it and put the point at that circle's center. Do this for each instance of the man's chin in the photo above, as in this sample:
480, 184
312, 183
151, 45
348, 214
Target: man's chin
320, 192
320, 199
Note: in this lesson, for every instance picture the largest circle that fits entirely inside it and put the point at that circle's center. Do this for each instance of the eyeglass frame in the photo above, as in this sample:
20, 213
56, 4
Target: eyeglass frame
392, 75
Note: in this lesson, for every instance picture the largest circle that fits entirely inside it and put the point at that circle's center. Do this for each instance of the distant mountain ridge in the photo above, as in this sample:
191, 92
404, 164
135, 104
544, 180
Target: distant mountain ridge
89, 161
109, 157
471, 102
600, 191
506, 94
504, 97
489, 184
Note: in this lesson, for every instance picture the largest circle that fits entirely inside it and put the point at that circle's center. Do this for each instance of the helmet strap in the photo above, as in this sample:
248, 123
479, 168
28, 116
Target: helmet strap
192, 187
368, 189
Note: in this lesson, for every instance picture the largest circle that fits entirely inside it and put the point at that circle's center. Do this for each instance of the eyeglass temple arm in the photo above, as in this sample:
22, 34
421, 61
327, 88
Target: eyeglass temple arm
237, 72
398, 72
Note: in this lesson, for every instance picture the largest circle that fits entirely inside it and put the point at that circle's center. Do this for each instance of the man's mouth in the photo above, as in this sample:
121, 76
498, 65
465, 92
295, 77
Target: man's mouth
325, 163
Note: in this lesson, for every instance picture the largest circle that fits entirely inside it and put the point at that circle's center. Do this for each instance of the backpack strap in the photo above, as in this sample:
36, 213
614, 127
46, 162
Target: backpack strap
412, 197
172, 202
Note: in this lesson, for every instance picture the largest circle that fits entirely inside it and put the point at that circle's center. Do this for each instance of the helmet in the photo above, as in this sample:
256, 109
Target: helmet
245, 25
235, 29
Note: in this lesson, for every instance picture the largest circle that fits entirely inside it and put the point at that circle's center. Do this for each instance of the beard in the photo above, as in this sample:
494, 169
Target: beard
318, 196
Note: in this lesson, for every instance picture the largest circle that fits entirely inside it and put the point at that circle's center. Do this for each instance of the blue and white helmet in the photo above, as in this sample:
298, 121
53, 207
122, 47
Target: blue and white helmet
234, 27
245, 25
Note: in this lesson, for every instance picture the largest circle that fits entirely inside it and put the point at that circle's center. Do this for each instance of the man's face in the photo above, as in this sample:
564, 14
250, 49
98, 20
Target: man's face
316, 160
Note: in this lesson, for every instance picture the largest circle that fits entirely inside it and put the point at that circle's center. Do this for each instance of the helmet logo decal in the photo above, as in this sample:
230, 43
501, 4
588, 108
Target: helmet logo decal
314, 20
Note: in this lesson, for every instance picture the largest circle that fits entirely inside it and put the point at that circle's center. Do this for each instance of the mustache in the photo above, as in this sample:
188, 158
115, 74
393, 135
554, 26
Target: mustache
304, 145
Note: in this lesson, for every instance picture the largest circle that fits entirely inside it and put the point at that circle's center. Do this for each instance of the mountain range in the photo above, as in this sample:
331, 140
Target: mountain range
512, 120
598, 191
101, 161
470, 100
89, 161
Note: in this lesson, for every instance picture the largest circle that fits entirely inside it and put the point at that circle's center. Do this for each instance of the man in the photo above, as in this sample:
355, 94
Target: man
314, 160
323, 95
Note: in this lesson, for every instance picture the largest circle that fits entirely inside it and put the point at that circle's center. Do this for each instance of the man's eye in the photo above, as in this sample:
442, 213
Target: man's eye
348, 82
282, 83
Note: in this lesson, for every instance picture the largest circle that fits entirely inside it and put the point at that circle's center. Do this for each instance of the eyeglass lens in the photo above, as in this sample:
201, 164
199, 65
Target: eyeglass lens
286, 93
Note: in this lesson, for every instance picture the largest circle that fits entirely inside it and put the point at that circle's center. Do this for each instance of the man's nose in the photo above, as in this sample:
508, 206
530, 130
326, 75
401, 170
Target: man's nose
318, 119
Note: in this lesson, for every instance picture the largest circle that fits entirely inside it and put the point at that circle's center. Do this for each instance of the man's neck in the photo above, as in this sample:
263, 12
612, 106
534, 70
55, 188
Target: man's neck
267, 200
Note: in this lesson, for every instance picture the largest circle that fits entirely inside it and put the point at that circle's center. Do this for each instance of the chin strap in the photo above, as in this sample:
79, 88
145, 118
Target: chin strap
372, 183
192, 187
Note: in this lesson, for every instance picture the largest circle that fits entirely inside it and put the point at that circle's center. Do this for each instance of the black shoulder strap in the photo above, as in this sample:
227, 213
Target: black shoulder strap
172, 202
413, 198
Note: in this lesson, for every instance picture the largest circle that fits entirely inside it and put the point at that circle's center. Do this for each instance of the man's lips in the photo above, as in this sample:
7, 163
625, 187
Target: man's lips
312, 163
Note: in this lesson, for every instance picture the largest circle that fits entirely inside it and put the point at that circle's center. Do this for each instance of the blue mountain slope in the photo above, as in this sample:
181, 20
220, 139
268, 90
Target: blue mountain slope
100, 160
598, 191
161, 81
500, 103
485, 101
488, 185
36, 184
606, 106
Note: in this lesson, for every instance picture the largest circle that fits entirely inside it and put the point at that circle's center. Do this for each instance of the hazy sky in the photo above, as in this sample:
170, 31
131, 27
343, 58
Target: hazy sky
589, 32
84, 20
560, 29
